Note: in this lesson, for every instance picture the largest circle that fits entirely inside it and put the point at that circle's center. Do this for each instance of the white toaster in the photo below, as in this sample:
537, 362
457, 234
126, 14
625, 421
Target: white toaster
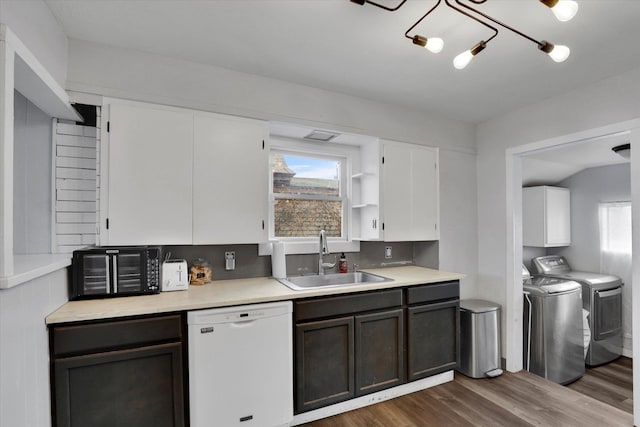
175, 275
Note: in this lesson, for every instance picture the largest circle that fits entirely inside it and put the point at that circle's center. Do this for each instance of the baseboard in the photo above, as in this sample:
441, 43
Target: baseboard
373, 398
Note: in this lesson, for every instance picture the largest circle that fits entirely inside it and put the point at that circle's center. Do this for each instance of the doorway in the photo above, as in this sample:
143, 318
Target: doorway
514, 166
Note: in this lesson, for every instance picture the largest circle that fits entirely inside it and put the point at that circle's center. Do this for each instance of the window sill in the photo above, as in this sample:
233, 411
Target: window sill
308, 247
29, 267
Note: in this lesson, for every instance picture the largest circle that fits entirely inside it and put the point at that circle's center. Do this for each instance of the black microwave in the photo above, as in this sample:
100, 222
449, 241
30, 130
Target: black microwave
115, 271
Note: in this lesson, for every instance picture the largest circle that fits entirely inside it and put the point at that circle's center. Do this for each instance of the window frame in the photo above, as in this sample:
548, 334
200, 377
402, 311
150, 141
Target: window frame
342, 197
603, 209
349, 156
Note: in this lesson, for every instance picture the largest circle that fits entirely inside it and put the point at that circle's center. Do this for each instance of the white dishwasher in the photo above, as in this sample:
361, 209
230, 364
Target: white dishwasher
241, 366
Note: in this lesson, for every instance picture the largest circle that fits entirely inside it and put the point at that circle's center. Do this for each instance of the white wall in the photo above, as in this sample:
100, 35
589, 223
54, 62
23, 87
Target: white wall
114, 72
24, 343
24, 349
136, 75
458, 223
589, 188
609, 101
34, 24
31, 178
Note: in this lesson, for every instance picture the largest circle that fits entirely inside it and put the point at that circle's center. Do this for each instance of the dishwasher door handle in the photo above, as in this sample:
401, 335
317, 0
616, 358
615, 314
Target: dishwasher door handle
243, 323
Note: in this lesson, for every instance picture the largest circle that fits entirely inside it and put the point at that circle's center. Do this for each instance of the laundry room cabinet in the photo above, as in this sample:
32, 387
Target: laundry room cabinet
546, 216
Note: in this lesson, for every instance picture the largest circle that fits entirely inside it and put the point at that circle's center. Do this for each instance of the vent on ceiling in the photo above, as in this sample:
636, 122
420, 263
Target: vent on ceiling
321, 135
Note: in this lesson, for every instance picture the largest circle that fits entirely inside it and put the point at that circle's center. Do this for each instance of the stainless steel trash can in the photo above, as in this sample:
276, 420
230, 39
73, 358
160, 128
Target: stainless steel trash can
479, 338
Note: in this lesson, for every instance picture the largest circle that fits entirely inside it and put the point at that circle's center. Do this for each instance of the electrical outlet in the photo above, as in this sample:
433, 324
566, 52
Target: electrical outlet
230, 260
387, 252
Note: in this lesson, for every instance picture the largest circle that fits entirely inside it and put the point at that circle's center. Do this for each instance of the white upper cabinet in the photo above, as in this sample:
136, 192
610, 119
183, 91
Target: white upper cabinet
149, 151
410, 192
230, 186
546, 216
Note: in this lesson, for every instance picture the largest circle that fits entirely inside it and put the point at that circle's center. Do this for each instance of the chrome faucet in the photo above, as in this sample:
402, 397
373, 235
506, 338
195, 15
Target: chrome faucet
323, 250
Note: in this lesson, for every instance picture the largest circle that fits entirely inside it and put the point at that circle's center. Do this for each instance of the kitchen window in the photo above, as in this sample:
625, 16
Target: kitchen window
309, 195
309, 192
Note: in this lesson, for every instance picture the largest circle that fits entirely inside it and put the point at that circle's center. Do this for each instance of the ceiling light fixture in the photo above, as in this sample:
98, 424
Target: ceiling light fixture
563, 9
623, 150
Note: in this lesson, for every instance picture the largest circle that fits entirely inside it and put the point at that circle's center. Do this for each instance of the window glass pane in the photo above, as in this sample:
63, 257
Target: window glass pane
305, 175
305, 218
615, 227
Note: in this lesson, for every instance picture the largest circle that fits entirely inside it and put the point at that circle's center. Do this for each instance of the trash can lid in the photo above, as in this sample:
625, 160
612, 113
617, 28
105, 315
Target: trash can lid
478, 305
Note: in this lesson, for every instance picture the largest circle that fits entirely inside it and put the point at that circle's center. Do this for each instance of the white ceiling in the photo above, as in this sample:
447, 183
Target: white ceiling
361, 50
550, 166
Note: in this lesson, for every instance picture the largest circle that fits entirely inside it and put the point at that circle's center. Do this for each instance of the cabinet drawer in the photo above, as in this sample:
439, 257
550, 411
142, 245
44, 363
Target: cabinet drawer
95, 337
433, 292
347, 304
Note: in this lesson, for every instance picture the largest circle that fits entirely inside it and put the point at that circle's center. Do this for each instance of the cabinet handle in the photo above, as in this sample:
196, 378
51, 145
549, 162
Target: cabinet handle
107, 261
115, 274
263, 224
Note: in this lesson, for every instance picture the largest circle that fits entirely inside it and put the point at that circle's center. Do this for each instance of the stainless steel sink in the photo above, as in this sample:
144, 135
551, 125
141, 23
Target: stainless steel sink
301, 283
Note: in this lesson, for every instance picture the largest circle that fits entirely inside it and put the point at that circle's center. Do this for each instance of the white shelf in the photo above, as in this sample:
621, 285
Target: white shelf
361, 174
29, 267
363, 205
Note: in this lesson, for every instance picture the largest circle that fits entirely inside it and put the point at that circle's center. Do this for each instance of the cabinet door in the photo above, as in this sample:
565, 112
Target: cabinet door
410, 192
558, 217
140, 387
379, 351
324, 363
433, 342
546, 220
150, 157
230, 180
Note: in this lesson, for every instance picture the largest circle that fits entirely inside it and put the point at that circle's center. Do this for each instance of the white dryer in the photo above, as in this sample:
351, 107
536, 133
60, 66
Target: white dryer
601, 297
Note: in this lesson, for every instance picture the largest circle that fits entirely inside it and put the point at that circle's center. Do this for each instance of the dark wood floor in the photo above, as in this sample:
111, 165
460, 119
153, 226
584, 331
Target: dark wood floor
611, 384
511, 400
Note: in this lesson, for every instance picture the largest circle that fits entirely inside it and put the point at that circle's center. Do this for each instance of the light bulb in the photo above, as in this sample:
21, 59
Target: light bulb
434, 44
463, 59
564, 10
559, 53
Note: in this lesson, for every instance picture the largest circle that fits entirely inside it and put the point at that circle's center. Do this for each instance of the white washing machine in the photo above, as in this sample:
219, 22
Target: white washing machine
601, 297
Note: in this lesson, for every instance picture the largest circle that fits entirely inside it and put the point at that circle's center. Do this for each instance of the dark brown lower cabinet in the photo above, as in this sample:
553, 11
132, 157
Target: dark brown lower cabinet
379, 351
324, 363
433, 340
358, 350
351, 345
119, 373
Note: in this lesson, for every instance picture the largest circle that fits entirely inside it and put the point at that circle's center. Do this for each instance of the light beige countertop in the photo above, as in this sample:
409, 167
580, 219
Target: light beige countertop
233, 292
